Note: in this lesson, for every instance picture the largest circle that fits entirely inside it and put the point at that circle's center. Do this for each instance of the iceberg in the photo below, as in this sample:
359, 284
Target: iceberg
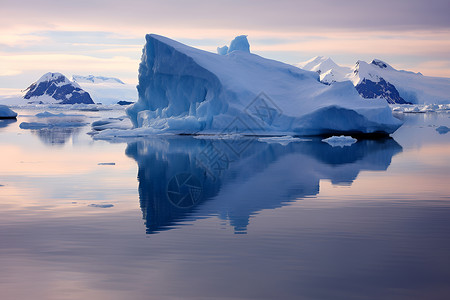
340, 141
239, 43
184, 90
7, 113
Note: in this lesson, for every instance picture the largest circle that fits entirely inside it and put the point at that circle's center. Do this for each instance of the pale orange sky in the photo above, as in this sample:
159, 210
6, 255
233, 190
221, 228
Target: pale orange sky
105, 38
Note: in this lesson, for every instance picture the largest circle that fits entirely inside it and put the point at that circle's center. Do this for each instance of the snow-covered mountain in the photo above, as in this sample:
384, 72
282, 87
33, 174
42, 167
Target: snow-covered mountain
95, 79
187, 90
56, 88
379, 79
107, 90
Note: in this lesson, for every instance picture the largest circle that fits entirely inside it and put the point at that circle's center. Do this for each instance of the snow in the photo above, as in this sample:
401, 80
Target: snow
239, 43
412, 87
7, 113
107, 90
96, 79
186, 90
340, 141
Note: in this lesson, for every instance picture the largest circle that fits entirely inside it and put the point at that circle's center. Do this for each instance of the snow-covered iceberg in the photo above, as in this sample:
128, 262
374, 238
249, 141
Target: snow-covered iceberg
186, 90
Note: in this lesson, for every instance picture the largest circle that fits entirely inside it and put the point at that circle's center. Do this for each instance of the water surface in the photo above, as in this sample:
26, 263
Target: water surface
186, 218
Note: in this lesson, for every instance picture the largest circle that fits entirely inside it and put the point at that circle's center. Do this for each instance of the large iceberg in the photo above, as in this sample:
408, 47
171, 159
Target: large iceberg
186, 90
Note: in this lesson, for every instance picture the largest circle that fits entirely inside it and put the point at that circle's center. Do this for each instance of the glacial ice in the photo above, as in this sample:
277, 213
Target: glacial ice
282, 140
186, 90
7, 113
340, 141
239, 43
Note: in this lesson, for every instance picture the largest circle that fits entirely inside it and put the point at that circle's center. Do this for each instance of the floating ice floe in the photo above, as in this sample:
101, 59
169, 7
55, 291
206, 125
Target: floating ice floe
283, 140
112, 123
340, 141
421, 108
101, 205
7, 113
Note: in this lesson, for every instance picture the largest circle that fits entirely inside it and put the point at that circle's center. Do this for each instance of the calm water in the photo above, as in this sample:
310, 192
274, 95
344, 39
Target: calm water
184, 218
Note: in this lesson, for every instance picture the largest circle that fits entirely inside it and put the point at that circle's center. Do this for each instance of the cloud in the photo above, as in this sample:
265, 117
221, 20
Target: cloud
65, 63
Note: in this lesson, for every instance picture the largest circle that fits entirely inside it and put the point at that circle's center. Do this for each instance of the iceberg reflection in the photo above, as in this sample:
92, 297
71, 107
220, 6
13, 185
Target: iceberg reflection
183, 178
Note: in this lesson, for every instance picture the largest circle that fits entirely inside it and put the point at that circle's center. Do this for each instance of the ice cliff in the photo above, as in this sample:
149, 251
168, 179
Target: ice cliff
186, 90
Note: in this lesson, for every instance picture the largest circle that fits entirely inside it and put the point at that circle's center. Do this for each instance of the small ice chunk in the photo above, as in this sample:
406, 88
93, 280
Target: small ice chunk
101, 205
112, 123
340, 141
442, 129
106, 164
222, 50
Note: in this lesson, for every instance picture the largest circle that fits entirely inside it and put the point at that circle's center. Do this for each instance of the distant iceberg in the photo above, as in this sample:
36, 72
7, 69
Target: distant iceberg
186, 90
7, 113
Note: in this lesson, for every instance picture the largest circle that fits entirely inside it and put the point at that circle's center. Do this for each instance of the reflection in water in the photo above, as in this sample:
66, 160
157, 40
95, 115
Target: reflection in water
182, 178
56, 135
6, 122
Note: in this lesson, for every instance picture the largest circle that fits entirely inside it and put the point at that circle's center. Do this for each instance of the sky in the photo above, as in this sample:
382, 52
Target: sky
105, 38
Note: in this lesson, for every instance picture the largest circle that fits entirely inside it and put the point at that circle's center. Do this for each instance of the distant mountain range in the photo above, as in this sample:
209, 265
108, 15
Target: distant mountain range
95, 79
107, 90
380, 80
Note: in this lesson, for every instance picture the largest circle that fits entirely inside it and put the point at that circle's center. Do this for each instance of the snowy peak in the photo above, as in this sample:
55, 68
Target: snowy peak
56, 88
381, 64
96, 79
56, 78
319, 64
378, 79
328, 70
